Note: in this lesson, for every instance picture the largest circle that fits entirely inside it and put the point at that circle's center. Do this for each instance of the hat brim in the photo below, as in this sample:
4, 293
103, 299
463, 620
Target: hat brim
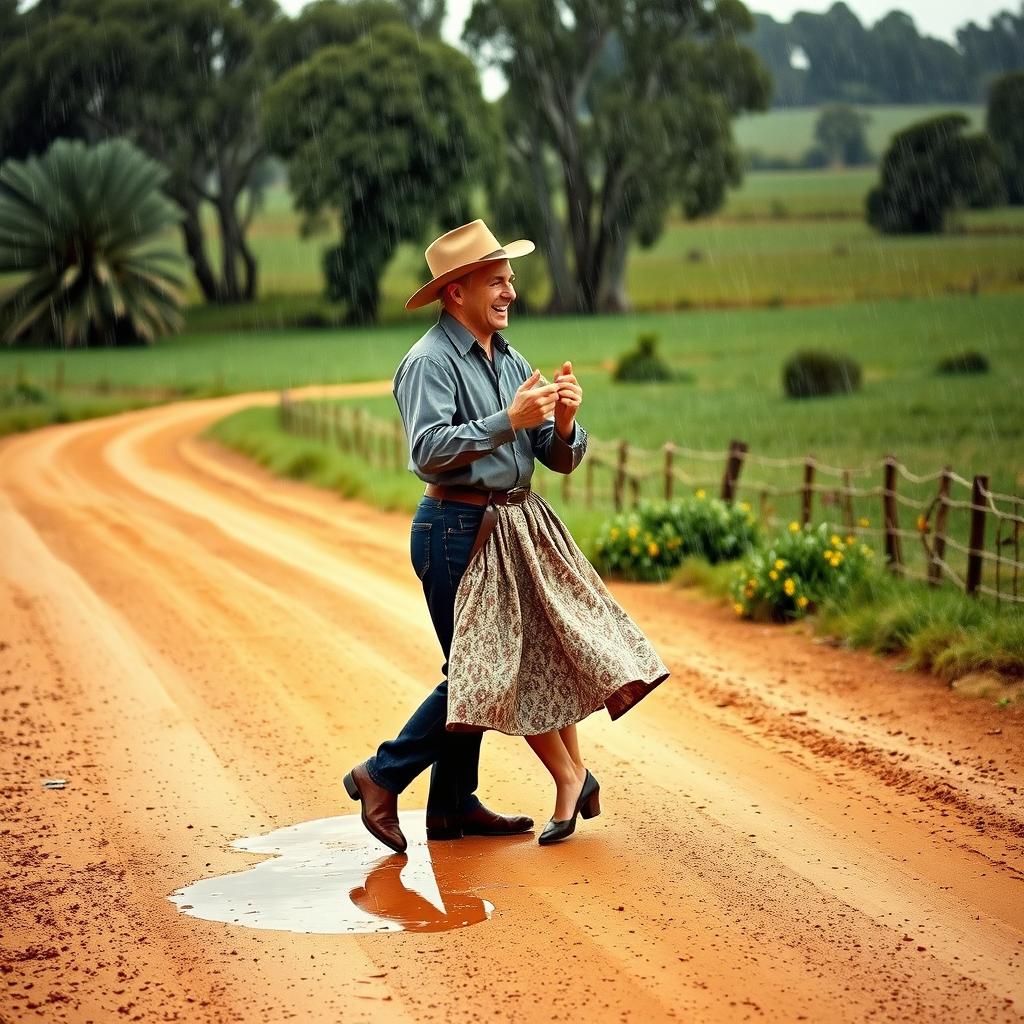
432, 289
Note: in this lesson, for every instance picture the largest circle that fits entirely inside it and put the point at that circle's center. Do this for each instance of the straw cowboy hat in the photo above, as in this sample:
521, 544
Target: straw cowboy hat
460, 251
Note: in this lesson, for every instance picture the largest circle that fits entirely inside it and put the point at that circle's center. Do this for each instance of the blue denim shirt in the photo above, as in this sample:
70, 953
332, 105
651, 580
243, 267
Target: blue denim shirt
454, 404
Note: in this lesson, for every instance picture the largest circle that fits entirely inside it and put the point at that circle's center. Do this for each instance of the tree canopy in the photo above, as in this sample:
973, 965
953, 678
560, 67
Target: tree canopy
388, 132
930, 168
833, 56
1005, 123
616, 110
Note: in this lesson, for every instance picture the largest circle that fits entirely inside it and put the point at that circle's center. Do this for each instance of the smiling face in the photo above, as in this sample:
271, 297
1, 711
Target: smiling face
481, 299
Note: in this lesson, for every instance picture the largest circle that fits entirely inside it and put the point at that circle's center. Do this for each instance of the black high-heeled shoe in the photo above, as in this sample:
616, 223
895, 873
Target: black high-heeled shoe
588, 804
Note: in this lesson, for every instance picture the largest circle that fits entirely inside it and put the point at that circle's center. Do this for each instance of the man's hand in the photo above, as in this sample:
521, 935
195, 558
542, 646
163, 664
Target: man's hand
532, 405
570, 396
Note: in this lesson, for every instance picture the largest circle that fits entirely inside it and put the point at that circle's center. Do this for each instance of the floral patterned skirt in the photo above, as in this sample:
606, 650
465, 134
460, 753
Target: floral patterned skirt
539, 642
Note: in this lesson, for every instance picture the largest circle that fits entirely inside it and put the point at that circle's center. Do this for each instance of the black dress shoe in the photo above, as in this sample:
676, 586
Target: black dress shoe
478, 822
588, 804
379, 808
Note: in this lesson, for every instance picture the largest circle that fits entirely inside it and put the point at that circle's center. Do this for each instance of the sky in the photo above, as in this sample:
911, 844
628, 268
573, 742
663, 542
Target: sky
938, 18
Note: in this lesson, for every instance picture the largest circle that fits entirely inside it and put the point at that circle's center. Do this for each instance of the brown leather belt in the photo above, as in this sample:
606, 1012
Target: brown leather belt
478, 496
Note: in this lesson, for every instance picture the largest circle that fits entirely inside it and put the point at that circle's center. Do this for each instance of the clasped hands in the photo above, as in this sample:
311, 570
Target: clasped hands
534, 404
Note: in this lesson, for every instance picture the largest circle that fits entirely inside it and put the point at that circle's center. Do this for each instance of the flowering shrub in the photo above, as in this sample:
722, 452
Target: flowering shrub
796, 571
648, 542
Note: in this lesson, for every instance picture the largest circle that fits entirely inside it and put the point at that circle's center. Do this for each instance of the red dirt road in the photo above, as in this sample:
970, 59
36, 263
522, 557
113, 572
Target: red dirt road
789, 832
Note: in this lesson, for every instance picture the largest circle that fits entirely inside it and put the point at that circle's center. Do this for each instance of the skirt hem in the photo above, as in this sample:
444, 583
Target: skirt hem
617, 704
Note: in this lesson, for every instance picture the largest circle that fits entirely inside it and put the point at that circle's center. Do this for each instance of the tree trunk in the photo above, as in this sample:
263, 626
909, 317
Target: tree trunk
612, 296
195, 247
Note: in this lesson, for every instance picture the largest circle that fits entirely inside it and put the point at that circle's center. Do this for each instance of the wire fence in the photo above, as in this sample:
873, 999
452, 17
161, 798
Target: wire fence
934, 527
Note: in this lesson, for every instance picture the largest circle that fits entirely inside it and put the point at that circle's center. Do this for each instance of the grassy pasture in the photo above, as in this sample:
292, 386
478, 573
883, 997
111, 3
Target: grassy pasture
785, 238
789, 131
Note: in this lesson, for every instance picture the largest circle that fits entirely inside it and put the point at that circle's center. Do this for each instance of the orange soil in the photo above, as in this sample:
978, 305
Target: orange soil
790, 832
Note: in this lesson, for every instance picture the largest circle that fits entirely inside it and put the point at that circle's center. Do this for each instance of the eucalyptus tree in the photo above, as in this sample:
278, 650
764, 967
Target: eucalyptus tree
388, 134
616, 112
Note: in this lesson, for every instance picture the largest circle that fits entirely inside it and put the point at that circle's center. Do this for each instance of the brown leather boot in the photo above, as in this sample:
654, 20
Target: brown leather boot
379, 808
478, 822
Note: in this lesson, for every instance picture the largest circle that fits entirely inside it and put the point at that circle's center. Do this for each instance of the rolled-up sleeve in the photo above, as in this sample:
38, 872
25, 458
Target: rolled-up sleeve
425, 392
556, 453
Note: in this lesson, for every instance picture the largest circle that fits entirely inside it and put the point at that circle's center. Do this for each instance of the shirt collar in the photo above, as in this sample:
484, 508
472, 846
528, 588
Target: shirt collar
462, 337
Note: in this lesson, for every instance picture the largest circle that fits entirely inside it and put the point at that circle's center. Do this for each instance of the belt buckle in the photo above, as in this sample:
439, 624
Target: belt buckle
519, 493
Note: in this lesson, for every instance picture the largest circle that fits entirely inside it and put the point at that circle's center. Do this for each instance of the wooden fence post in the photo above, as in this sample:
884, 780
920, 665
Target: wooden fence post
847, 499
670, 450
357, 431
399, 445
733, 465
807, 494
890, 517
939, 538
977, 541
620, 475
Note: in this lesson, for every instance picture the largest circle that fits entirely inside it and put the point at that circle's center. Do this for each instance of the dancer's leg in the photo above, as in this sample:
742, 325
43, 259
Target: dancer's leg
572, 745
569, 779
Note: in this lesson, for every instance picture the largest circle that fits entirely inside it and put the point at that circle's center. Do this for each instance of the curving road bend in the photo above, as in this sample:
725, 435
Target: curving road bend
790, 831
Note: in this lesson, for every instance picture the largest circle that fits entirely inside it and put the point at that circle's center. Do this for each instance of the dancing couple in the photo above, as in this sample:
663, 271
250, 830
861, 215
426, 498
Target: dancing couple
533, 640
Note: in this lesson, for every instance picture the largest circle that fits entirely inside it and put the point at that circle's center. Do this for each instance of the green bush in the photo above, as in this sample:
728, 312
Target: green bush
793, 574
964, 362
643, 363
811, 374
23, 393
650, 541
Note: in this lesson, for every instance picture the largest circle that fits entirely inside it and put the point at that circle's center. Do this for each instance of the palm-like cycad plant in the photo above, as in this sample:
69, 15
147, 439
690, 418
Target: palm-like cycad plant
79, 221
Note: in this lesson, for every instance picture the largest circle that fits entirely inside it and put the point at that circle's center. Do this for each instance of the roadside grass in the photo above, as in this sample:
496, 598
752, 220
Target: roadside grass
939, 630
68, 408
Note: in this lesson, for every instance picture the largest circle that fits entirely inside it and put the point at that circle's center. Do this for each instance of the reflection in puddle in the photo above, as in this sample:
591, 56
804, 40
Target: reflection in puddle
329, 876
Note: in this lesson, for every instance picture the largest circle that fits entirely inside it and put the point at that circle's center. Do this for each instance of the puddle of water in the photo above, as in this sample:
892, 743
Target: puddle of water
328, 876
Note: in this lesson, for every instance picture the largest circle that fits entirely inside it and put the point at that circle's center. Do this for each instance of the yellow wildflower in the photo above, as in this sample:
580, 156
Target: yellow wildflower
864, 522
838, 558
633, 531
614, 533
802, 601
834, 540
794, 527
652, 549
700, 492
789, 587
922, 525
744, 506
850, 539
752, 583
780, 563
772, 574
738, 608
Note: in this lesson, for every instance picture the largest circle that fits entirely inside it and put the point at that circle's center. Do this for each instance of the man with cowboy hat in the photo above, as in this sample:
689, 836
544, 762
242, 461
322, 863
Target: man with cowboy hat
474, 427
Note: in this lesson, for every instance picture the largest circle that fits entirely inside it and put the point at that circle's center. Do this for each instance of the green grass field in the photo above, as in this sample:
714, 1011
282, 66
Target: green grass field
789, 131
734, 356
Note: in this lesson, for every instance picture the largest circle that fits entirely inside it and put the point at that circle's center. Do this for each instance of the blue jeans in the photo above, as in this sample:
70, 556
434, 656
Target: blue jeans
440, 540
